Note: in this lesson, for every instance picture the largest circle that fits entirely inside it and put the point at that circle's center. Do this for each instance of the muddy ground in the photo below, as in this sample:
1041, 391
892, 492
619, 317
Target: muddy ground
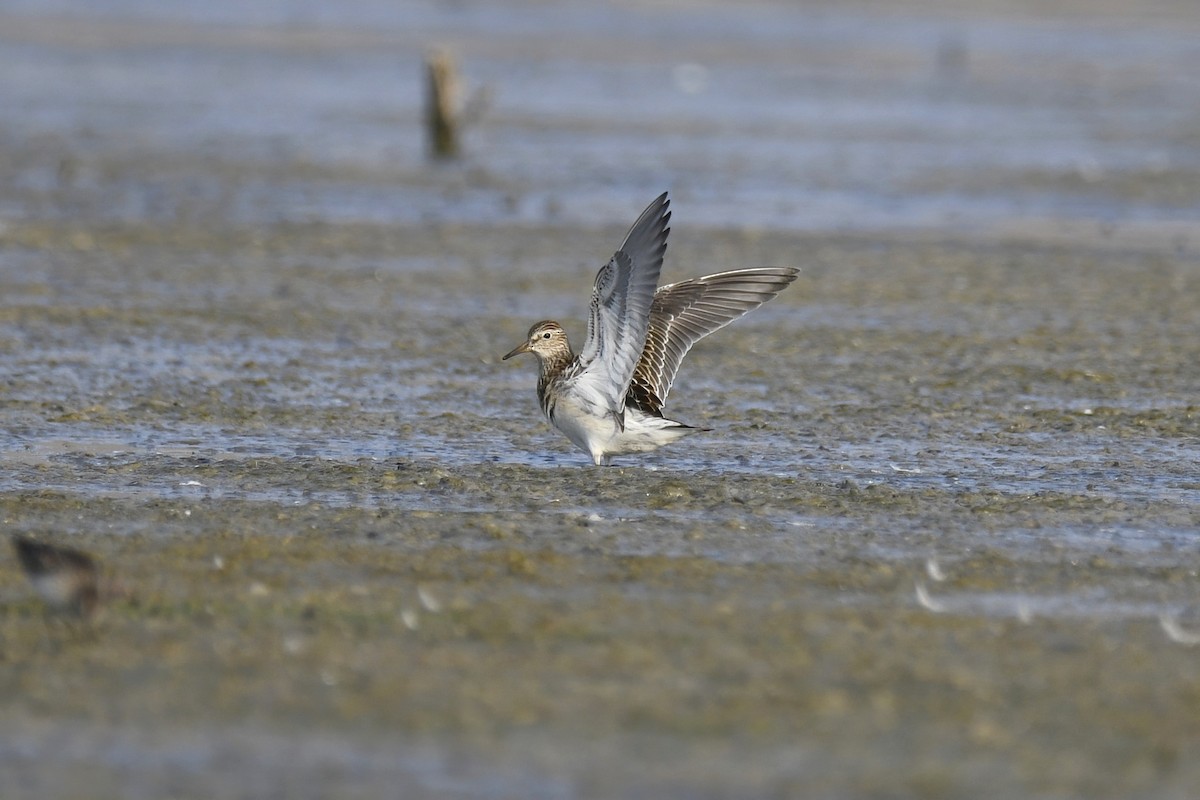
942, 541
928, 551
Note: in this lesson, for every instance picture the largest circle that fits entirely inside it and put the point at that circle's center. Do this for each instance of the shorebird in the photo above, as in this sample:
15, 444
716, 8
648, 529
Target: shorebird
608, 398
67, 580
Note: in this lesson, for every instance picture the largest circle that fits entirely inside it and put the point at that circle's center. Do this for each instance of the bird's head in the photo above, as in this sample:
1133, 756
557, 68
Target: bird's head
547, 340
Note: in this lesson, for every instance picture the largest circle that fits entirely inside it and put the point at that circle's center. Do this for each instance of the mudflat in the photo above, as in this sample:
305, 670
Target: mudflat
942, 540
931, 545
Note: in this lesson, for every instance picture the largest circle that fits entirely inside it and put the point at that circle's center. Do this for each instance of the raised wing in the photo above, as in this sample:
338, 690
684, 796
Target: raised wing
684, 313
620, 311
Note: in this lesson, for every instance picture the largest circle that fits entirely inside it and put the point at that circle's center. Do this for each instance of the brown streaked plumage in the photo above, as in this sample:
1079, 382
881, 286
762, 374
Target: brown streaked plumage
608, 399
684, 313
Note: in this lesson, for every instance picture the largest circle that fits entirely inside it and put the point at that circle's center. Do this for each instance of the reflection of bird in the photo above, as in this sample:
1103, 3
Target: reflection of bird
608, 398
66, 579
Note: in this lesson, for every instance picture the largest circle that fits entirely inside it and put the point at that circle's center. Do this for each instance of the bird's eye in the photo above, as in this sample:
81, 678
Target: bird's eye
546, 335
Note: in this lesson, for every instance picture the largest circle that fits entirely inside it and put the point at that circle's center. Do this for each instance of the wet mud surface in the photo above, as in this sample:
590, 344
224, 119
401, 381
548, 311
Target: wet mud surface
948, 503
942, 541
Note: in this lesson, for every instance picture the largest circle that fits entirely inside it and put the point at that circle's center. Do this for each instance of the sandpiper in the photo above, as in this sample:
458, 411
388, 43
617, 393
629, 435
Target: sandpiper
608, 398
66, 579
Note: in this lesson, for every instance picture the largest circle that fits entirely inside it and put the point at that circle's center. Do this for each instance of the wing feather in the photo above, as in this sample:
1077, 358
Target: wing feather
683, 313
620, 311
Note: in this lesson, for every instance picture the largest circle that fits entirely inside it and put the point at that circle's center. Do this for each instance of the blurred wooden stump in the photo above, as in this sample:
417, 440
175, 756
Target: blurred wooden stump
442, 105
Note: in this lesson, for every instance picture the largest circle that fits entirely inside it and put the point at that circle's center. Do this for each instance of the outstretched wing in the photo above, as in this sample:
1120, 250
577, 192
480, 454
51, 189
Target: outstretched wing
620, 311
684, 313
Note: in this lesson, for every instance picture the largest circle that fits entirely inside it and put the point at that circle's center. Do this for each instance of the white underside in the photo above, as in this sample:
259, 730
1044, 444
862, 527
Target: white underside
58, 589
601, 437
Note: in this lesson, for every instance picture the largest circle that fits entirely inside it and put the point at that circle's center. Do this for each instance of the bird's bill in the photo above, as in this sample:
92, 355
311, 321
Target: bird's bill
523, 347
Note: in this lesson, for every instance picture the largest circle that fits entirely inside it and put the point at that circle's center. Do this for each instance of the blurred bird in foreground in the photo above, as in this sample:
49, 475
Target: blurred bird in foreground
67, 580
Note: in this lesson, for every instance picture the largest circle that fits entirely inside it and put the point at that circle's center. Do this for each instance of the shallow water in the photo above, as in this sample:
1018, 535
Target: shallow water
815, 117
943, 539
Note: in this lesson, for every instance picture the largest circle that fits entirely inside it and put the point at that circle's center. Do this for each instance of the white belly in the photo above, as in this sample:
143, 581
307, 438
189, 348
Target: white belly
602, 437
589, 431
